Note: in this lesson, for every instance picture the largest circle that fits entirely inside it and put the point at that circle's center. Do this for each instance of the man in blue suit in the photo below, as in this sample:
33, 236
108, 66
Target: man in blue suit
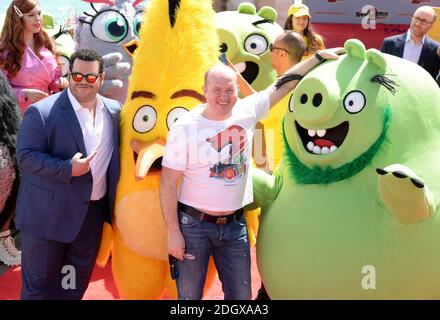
67, 151
415, 45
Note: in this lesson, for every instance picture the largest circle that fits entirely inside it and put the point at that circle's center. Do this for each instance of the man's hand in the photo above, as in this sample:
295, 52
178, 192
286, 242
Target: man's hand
331, 54
280, 88
176, 244
81, 166
168, 201
63, 83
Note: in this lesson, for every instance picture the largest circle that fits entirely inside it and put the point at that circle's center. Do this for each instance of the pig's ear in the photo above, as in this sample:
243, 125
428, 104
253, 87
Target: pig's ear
355, 48
376, 57
268, 13
247, 8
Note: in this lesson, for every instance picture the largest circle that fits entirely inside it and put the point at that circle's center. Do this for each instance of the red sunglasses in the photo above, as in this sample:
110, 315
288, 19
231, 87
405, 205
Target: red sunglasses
90, 77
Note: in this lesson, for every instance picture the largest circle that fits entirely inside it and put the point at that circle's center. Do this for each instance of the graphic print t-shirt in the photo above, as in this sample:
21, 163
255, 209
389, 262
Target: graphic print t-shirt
214, 156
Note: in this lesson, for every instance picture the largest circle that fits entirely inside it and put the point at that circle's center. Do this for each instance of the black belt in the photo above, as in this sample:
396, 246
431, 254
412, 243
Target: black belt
202, 216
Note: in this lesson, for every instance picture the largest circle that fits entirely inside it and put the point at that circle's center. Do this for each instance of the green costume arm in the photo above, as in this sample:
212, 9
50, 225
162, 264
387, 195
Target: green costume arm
266, 188
404, 194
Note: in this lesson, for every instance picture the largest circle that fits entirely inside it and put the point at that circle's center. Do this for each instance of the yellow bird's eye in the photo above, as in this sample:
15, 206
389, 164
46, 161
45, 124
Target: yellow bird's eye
175, 114
145, 119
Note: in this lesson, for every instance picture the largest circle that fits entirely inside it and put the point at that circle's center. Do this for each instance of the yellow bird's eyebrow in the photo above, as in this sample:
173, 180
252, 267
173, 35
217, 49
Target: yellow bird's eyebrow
142, 94
189, 93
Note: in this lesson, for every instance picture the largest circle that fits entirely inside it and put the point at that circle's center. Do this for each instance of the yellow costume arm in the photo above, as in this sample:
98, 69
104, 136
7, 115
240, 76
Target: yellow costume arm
106, 245
252, 223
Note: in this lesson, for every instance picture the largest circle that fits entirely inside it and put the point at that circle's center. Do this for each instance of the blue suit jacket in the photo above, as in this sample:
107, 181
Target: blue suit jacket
429, 60
51, 203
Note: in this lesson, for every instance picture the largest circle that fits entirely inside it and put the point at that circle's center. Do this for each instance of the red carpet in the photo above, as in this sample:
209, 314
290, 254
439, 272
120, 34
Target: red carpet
102, 286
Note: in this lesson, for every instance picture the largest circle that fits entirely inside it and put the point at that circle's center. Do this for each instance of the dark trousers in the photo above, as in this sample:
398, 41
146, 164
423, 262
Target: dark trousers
55, 270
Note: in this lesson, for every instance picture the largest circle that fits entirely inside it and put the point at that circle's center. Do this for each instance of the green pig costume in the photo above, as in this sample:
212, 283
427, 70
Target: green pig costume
245, 37
351, 211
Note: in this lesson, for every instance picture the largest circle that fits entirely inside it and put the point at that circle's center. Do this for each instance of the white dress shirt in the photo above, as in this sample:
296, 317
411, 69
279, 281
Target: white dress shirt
412, 50
98, 135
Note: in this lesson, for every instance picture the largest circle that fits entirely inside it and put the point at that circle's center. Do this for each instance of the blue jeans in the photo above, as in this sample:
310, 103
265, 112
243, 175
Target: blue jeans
229, 246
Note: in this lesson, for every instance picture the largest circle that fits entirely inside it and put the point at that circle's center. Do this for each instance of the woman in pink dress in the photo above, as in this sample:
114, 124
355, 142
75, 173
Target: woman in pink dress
27, 54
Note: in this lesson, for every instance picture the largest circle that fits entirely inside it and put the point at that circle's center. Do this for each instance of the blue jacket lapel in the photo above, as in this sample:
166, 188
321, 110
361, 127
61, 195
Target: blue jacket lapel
72, 121
426, 54
400, 45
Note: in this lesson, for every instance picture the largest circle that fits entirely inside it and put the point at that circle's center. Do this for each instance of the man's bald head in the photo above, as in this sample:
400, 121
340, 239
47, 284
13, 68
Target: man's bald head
427, 10
422, 21
294, 43
220, 71
221, 92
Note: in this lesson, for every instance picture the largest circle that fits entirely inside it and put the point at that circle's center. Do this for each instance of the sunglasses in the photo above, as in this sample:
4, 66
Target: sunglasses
422, 21
90, 77
271, 48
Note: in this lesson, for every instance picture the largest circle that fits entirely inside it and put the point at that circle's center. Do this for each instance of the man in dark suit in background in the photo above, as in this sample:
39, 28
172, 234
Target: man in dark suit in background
415, 45
67, 151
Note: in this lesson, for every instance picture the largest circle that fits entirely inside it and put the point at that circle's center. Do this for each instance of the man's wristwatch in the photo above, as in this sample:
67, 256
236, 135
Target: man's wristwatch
319, 57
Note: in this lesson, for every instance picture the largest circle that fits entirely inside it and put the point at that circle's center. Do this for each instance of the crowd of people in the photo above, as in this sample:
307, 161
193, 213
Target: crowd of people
63, 183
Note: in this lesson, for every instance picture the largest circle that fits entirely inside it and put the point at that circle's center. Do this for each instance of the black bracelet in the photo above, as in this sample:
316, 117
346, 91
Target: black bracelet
319, 57
287, 78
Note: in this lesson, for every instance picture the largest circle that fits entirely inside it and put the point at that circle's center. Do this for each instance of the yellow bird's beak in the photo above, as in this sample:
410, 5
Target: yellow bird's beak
131, 46
145, 155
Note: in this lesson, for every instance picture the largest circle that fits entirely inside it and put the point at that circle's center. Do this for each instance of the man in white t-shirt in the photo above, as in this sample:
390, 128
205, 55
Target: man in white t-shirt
209, 149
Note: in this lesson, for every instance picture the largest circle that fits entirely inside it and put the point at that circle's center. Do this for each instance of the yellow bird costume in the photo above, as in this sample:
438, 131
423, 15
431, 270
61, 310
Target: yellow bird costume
178, 43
